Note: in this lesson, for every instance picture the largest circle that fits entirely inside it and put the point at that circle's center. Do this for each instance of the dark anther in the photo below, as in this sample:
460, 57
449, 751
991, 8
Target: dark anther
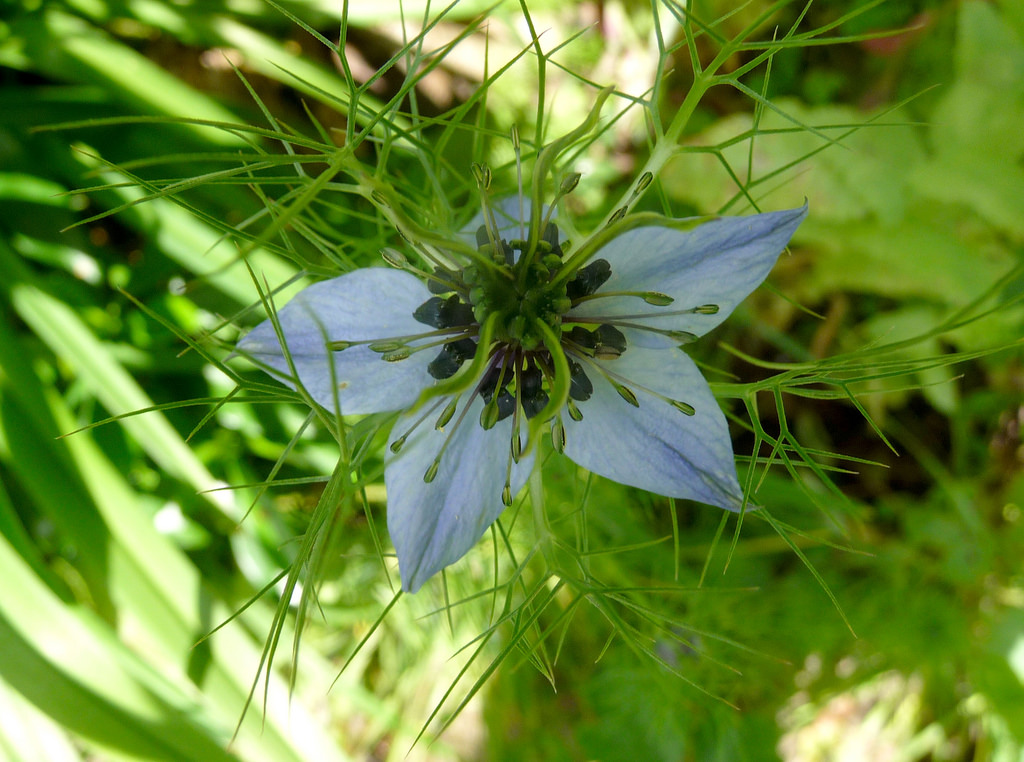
506, 402
581, 336
482, 237
551, 236
490, 381
580, 387
589, 279
532, 393
456, 312
444, 365
506, 405
443, 282
464, 349
508, 255
444, 313
430, 312
610, 337
531, 390
531, 379
450, 359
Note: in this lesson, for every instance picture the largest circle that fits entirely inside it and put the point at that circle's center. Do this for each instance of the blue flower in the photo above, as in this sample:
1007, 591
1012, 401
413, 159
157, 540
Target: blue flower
514, 333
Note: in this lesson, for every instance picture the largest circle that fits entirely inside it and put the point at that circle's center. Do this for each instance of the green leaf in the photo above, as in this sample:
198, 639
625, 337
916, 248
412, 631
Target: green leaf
64, 661
68, 48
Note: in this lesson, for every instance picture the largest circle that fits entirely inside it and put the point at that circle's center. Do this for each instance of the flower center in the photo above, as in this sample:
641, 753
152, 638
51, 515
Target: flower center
519, 291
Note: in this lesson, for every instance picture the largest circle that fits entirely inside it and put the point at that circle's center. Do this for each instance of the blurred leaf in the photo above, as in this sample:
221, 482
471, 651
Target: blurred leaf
28, 735
976, 132
1000, 672
864, 177
90, 683
68, 48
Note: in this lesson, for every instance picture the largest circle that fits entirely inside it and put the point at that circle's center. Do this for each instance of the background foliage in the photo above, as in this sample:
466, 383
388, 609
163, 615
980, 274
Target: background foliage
121, 547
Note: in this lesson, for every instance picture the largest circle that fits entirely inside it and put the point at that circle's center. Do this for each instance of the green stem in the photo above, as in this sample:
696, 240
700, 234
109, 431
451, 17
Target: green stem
545, 160
545, 538
666, 145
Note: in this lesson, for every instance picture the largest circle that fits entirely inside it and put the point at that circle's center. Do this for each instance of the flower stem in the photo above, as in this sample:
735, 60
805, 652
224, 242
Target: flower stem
666, 147
545, 538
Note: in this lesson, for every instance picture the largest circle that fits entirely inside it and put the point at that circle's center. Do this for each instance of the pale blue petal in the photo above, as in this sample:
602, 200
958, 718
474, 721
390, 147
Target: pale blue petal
720, 262
434, 525
655, 446
372, 303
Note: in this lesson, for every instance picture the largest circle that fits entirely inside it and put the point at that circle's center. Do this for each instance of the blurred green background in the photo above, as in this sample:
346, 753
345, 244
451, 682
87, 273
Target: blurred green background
121, 547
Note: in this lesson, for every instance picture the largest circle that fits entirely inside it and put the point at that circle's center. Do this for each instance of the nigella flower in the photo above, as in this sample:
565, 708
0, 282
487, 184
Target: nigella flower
513, 333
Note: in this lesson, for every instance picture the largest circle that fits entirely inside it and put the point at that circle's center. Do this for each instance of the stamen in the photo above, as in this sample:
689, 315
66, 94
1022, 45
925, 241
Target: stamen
513, 457
655, 298
385, 346
704, 309
516, 445
617, 215
569, 183
395, 258
682, 407
493, 389
400, 442
482, 175
403, 351
489, 415
432, 469
446, 415
642, 184
681, 337
658, 299
557, 435
395, 342
567, 186
627, 394
607, 352
425, 250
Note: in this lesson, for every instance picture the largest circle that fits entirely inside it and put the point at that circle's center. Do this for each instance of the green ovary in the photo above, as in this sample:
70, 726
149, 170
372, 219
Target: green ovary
498, 290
